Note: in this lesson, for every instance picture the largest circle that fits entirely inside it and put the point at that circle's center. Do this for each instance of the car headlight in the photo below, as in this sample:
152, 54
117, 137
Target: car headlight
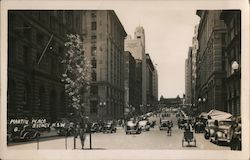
211, 131
219, 134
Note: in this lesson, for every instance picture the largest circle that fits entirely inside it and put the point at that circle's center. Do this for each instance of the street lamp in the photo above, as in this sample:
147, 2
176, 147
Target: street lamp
235, 66
201, 100
102, 105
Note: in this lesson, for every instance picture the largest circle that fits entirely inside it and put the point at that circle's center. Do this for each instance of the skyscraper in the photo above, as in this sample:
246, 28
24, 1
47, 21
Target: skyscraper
137, 47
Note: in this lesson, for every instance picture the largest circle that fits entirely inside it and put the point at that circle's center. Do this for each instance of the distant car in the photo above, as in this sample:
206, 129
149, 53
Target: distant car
144, 125
224, 131
163, 125
132, 127
109, 128
23, 132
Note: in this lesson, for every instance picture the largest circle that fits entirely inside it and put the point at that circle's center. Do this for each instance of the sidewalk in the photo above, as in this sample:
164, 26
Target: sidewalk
51, 133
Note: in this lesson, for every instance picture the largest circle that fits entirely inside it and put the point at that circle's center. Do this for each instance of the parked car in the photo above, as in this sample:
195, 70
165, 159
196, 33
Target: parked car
224, 131
23, 132
96, 127
144, 125
210, 129
109, 127
132, 127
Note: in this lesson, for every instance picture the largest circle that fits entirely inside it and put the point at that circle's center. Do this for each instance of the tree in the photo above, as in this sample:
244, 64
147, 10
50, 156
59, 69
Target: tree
77, 74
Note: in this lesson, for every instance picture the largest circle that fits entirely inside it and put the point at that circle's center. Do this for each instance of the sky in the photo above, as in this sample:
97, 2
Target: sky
168, 35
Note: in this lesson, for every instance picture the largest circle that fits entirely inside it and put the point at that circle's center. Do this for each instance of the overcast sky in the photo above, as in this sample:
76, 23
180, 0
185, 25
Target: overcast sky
168, 35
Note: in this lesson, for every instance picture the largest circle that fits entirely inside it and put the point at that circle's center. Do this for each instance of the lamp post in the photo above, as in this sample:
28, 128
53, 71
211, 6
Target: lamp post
234, 82
201, 101
235, 66
102, 105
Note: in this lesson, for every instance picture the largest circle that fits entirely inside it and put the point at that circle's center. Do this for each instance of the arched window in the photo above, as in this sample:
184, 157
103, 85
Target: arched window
93, 75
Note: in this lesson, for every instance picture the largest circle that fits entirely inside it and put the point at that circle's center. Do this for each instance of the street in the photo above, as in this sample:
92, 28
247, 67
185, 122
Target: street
153, 139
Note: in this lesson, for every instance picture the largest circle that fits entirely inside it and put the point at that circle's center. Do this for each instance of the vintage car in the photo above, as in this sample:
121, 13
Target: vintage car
224, 131
23, 132
132, 127
210, 129
109, 127
144, 125
96, 127
163, 125
182, 123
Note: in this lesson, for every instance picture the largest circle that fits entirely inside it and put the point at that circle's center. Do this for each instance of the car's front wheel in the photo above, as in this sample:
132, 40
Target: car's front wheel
206, 135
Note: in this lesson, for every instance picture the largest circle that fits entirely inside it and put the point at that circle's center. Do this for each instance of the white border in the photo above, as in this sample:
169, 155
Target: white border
128, 154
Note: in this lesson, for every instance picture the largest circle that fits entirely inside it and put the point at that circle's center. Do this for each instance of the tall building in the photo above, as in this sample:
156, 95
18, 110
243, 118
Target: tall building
103, 40
137, 47
130, 95
155, 84
188, 77
232, 63
35, 89
149, 87
211, 71
138, 89
193, 69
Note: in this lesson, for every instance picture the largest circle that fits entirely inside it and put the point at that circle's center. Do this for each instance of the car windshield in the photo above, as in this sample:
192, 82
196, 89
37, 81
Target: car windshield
108, 124
164, 121
142, 123
131, 123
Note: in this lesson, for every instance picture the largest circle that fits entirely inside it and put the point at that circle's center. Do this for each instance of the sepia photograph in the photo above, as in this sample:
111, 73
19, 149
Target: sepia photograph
139, 81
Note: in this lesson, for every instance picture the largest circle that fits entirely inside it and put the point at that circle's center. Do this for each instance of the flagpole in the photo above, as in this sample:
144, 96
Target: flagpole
45, 49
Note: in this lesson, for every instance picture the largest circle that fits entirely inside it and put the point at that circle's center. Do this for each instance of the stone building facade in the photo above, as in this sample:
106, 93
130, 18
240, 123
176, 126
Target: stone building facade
103, 41
188, 77
35, 50
232, 18
210, 81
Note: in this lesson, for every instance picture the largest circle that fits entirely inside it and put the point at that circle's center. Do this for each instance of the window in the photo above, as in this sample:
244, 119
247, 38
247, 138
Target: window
25, 54
42, 98
40, 38
93, 50
232, 29
93, 14
93, 26
26, 97
223, 38
93, 37
93, 107
93, 90
27, 31
93, 75
93, 63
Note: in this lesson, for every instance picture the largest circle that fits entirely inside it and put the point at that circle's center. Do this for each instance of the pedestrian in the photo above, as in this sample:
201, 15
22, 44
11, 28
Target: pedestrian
169, 128
80, 131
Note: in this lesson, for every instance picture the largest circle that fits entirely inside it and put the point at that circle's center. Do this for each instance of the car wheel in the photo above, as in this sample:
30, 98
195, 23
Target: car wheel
216, 141
206, 135
126, 132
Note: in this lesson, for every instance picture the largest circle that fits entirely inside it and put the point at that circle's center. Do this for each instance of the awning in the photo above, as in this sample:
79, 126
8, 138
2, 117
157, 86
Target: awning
219, 115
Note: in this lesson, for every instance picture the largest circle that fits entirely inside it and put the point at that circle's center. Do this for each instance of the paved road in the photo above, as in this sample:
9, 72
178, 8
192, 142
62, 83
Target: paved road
153, 139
